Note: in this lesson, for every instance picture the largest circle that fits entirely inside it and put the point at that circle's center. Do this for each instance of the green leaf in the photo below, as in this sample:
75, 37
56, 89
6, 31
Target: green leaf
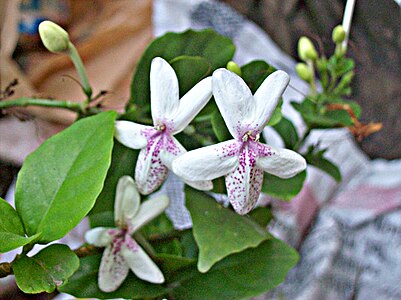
323, 118
218, 231
261, 215
276, 117
122, 163
239, 276
286, 129
12, 234
214, 48
219, 127
60, 181
46, 270
83, 284
171, 263
283, 189
255, 72
316, 159
192, 68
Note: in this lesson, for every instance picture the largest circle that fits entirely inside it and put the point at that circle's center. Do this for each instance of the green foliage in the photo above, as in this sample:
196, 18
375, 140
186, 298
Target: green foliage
238, 276
286, 129
255, 72
219, 127
59, 182
315, 158
12, 234
218, 231
283, 189
201, 50
122, 163
83, 284
46, 270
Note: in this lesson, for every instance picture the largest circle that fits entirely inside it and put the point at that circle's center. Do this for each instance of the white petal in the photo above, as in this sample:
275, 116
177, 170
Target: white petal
207, 163
113, 269
283, 163
150, 172
127, 200
130, 134
148, 210
141, 264
267, 97
163, 90
99, 236
167, 159
244, 183
234, 100
192, 103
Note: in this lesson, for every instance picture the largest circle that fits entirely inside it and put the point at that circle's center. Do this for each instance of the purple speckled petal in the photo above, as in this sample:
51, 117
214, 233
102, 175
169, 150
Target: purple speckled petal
164, 98
209, 162
150, 172
130, 134
127, 200
245, 182
234, 100
140, 263
267, 97
283, 163
192, 103
113, 268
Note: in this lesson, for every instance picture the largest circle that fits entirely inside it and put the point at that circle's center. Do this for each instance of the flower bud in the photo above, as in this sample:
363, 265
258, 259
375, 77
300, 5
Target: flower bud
233, 67
303, 71
338, 34
54, 37
306, 50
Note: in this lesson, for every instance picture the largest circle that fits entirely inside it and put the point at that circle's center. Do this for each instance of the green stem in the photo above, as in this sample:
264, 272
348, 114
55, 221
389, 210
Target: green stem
301, 142
145, 244
79, 66
24, 101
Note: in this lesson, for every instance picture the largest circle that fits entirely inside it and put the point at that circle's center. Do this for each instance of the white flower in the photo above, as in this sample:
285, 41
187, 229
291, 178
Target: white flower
122, 252
244, 159
170, 116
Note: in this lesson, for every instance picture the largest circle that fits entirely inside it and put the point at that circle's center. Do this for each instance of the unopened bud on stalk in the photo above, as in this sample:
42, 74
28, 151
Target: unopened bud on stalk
303, 71
306, 50
338, 34
233, 67
55, 38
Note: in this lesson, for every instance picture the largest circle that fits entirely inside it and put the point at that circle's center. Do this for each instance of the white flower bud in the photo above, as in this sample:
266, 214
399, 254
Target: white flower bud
55, 38
306, 50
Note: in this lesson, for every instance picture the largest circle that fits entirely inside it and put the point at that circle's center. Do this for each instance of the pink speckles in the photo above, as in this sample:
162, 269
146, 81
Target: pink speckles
264, 150
150, 172
130, 243
229, 150
245, 183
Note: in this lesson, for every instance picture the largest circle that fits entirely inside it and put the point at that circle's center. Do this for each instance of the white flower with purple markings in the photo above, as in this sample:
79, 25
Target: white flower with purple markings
244, 159
170, 116
122, 252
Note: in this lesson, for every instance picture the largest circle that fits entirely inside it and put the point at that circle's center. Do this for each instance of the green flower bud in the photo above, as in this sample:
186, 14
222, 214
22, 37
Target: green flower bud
233, 67
306, 50
303, 71
54, 37
338, 34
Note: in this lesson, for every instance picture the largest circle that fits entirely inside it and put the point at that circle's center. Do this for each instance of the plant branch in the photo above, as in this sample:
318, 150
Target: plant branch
24, 101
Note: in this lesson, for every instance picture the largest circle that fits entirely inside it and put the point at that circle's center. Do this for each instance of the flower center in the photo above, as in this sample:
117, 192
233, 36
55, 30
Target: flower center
160, 127
248, 136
